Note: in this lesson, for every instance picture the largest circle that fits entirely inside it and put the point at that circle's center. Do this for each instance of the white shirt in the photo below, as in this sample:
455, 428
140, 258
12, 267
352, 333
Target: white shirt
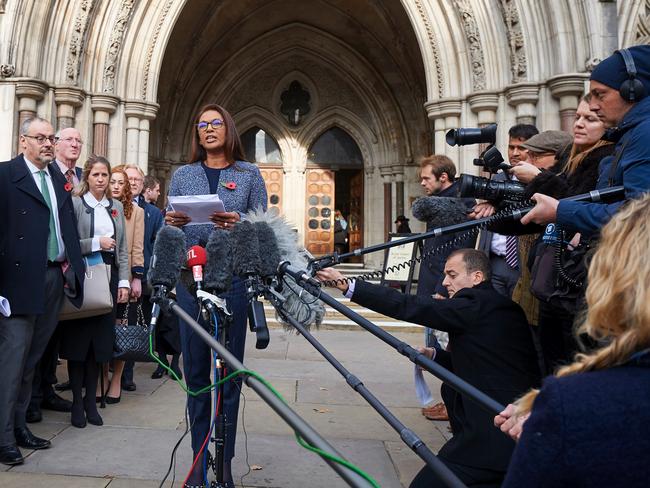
57, 225
103, 225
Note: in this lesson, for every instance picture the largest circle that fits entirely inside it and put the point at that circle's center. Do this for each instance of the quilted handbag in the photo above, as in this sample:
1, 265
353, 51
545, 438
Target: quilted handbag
132, 340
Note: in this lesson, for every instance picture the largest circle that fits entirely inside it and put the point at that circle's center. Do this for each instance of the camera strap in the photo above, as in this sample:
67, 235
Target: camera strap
612, 168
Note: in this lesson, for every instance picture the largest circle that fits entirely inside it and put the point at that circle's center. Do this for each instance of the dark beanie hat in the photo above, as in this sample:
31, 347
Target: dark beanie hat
612, 72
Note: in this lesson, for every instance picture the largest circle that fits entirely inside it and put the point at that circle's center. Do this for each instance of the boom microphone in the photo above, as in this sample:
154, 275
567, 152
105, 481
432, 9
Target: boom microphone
269, 251
166, 262
245, 250
306, 311
218, 270
440, 211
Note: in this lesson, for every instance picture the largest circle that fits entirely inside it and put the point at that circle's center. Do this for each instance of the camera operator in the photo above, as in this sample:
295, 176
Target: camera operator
490, 347
505, 272
619, 86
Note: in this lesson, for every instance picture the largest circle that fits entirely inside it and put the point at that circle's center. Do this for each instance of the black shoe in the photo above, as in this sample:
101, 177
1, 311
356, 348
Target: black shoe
128, 386
62, 386
24, 438
156, 375
92, 415
33, 415
10, 455
56, 403
78, 416
113, 400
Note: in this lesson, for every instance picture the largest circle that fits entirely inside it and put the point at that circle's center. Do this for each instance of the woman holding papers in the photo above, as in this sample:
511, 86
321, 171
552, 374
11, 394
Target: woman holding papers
89, 341
217, 167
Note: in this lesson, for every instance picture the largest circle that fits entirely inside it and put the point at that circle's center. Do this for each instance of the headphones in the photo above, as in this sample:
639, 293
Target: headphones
631, 90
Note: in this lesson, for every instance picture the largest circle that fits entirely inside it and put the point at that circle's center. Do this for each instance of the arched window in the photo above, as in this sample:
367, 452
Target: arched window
335, 147
260, 147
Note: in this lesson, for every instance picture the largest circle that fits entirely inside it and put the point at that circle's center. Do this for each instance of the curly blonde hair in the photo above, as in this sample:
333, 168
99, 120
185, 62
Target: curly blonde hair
618, 295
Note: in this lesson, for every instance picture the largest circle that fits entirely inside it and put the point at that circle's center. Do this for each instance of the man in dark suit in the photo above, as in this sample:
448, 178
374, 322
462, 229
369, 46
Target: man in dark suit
39, 255
490, 346
66, 153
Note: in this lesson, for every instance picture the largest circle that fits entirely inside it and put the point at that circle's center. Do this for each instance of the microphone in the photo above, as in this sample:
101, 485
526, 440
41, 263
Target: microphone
219, 268
306, 311
247, 264
196, 259
269, 252
165, 267
440, 211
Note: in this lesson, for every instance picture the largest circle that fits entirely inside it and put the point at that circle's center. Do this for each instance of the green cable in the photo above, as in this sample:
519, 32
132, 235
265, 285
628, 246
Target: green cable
301, 442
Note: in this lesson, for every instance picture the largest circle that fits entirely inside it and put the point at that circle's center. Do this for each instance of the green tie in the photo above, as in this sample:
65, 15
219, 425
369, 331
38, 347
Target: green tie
52, 243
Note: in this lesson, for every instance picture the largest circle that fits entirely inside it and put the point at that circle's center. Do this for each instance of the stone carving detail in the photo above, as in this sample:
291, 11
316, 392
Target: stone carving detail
115, 45
7, 70
473, 36
152, 45
2, 6
79, 28
518, 62
642, 31
433, 42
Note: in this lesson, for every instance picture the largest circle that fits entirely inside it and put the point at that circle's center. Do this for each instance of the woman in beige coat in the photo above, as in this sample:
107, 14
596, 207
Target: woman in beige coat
134, 216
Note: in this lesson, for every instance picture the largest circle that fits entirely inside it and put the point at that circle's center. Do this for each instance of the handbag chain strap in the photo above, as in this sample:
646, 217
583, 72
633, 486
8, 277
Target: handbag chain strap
124, 321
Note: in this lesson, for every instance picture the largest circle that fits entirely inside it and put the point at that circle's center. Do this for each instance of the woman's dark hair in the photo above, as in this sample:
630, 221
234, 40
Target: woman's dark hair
232, 147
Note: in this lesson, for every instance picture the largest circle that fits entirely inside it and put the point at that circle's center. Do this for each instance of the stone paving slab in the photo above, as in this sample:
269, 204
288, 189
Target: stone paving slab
22, 480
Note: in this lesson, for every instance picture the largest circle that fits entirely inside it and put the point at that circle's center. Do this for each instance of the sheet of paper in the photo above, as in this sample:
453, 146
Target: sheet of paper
197, 207
421, 388
5, 309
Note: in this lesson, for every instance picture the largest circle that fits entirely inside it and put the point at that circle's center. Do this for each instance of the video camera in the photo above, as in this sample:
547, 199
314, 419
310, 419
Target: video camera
491, 161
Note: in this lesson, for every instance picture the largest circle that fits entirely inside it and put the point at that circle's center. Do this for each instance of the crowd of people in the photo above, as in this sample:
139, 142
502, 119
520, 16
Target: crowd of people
548, 315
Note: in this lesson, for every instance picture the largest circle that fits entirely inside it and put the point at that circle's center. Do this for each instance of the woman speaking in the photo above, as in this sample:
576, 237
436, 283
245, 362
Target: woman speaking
217, 167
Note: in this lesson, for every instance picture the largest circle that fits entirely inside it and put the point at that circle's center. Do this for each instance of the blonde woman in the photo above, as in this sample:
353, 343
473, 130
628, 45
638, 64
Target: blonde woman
589, 426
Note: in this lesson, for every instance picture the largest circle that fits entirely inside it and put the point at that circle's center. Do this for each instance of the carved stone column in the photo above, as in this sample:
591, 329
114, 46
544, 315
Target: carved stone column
398, 176
143, 140
446, 115
67, 99
524, 97
29, 92
484, 105
134, 111
569, 89
386, 174
103, 106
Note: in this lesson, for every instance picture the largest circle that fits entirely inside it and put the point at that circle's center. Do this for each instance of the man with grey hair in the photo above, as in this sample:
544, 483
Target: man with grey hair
39, 254
67, 150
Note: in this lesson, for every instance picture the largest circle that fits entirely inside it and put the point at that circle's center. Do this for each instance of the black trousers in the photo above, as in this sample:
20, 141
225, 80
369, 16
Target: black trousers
474, 477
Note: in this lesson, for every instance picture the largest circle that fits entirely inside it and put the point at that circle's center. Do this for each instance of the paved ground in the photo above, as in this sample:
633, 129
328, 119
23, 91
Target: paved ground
134, 446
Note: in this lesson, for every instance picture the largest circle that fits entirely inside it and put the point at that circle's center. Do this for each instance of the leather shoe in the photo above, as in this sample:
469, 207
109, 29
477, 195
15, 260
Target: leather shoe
33, 415
156, 375
11, 456
56, 403
24, 438
434, 413
128, 386
62, 386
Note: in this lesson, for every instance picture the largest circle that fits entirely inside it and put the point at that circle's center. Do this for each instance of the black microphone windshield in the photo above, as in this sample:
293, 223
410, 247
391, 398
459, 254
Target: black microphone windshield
245, 249
269, 252
217, 272
440, 211
168, 257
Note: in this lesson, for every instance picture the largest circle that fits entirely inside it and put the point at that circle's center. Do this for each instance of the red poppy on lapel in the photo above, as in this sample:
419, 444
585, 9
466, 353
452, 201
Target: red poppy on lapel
231, 185
67, 187
114, 213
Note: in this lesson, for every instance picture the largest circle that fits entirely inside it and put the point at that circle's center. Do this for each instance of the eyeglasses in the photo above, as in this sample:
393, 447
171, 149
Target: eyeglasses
41, 139
215, 124
71, 140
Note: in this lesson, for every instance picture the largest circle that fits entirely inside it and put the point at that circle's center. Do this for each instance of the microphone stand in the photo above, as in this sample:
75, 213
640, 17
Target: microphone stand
611, 194
409, 437
283, 410
460, 385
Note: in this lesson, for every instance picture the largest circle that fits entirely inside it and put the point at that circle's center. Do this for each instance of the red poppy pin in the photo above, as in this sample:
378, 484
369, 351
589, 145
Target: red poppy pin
231, 185
114, 213
67, 187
